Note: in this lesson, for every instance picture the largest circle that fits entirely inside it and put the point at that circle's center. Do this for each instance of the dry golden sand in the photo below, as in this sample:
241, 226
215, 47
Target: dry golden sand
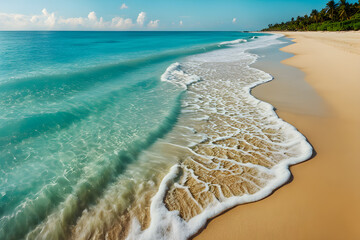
323, 200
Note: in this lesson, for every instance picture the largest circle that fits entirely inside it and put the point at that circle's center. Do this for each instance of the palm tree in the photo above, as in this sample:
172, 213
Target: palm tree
322, 15
344, 9
314, 15
331, 8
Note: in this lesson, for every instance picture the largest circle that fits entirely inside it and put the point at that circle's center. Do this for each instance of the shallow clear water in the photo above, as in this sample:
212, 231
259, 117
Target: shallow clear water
77, 112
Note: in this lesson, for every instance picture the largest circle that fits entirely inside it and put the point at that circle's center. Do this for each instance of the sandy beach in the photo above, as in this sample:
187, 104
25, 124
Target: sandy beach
322, 199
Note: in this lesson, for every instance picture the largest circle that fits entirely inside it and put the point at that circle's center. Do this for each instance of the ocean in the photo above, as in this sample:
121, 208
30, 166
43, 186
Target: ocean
134, 135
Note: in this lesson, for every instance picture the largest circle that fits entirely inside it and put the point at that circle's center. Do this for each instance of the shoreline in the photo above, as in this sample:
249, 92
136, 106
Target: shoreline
276, 176
315, 205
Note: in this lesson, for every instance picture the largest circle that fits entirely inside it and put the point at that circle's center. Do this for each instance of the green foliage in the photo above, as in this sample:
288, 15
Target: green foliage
356, 26
356, 16
341, 16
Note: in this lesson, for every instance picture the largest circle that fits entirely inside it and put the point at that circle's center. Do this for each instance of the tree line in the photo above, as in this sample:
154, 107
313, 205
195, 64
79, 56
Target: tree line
335, 16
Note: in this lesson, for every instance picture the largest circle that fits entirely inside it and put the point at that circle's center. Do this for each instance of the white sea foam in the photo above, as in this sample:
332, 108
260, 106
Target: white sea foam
237, 52
234, 42
174, 74
292, 145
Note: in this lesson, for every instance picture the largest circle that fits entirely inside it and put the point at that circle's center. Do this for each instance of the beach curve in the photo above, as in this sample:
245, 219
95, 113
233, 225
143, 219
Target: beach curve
309, 207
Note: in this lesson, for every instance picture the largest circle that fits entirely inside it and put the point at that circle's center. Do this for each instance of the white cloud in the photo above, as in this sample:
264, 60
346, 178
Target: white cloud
141, 18
153, 23
234, 20
122, 23
49, 21
10, 21
72, 21
92, 16
34, 19
124, 6
181, 23
49, 17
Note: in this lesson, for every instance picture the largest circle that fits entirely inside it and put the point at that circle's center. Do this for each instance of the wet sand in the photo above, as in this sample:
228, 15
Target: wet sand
322, 200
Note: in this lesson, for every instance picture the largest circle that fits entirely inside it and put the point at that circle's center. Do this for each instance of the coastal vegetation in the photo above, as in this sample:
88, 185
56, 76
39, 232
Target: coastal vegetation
335, 16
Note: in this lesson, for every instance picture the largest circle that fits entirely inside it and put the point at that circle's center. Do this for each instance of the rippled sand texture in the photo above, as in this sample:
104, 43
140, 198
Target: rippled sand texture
245, 139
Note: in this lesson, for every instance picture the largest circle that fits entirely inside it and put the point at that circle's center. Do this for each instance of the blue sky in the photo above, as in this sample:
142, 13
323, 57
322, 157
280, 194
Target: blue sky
150, 15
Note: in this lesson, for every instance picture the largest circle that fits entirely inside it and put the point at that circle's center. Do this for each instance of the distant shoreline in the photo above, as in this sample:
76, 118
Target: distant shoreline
335, 16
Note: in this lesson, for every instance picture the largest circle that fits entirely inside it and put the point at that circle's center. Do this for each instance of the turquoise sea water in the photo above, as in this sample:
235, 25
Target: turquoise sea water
77, 107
